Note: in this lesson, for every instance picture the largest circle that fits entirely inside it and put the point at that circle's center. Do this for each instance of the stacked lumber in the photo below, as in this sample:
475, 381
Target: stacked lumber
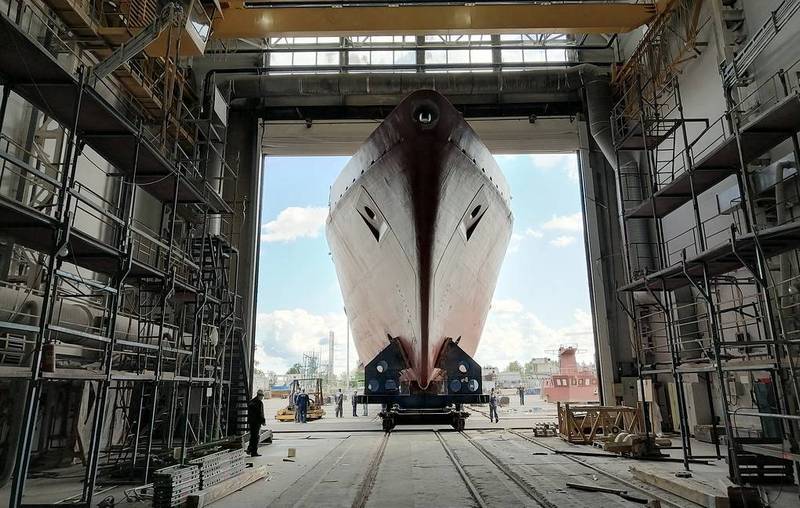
173, 485
220, 466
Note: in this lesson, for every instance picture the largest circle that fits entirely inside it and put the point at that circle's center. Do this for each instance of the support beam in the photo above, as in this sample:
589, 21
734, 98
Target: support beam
133, 47
605, 270
240, 21
243, 153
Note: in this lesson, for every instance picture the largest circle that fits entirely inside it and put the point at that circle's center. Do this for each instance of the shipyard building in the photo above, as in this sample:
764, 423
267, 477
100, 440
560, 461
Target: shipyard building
134, 144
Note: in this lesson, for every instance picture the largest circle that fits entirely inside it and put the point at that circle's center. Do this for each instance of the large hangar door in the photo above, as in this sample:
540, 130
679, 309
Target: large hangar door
509, 135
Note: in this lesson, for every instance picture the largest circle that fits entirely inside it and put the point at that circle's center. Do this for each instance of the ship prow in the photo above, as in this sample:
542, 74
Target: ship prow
418, 227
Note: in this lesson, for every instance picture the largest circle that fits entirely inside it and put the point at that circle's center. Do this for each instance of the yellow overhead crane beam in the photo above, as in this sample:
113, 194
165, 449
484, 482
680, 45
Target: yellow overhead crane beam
238, 21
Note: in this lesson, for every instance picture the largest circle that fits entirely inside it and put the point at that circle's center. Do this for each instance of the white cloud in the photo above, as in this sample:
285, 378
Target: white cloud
511, 333
534, 233
571, 223
562, 241
507, 305
566, 162
282, 336
523, 335
295, 222
513, 245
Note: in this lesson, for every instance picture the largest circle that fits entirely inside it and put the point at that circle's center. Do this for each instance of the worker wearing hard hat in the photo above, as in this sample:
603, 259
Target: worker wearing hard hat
255, 418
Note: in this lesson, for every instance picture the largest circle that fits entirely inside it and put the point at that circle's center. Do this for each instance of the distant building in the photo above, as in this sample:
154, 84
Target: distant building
261, 381
539, 366
489, 378
510, 379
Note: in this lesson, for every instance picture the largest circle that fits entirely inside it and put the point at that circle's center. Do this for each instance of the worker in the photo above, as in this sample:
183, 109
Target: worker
355, 403
493, 407
521, 391
302, 405
255, 419
339, 400
296, 409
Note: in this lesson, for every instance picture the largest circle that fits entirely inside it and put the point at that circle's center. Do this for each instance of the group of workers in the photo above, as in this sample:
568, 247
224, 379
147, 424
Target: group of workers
339, 401
301, 403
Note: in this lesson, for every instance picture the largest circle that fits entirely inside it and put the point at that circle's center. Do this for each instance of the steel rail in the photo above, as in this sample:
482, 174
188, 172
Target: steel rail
372, 472
376, 430
463, 474
534, 494
599, 470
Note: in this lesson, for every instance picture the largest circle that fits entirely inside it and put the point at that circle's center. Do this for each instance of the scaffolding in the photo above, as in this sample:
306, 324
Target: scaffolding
709, 266
134, 306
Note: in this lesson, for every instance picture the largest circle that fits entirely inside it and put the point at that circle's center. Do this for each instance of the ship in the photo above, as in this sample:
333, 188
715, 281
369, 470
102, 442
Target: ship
418, 227
573, 383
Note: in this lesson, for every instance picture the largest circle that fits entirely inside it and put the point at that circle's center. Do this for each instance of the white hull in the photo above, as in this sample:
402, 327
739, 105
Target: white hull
418, 232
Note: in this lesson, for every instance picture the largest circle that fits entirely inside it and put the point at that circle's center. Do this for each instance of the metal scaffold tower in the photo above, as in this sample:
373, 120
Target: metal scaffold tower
120, 309
709, 281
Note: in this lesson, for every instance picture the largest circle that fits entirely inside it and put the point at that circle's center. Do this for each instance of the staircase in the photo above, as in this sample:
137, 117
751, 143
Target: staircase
237, 396
213, 256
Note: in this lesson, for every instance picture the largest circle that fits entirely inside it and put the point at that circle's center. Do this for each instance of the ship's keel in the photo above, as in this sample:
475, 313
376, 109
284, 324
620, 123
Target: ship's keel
405, 403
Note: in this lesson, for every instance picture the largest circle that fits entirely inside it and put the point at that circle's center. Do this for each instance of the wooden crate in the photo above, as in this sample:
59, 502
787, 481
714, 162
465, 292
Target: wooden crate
582, 424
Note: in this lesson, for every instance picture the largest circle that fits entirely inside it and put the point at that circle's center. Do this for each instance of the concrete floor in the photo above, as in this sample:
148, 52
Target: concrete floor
349, 462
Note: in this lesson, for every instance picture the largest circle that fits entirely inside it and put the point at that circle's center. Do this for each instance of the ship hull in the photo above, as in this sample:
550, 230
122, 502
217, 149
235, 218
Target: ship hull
418, 228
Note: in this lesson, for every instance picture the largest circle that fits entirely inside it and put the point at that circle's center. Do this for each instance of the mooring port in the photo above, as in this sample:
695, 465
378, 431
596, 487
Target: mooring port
426, 114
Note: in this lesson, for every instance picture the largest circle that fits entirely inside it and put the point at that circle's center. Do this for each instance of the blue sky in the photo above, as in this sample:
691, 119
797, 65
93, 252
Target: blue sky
541, 300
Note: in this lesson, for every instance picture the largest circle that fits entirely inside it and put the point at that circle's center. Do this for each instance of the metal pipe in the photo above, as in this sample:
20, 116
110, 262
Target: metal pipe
733, 460
766, 415
201, 299
168, 289
28, 419
4, 104
700, 247
113, 304
772, 321
546, 78
676, 376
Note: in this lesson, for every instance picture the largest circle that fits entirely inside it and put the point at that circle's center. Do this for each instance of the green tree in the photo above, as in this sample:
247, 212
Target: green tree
358, 377
530, 368
514, 367
295, 369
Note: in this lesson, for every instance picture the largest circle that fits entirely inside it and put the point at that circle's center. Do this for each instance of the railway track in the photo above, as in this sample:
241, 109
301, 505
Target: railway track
536, 496
410, 464
645, 493
463, 474
372, 472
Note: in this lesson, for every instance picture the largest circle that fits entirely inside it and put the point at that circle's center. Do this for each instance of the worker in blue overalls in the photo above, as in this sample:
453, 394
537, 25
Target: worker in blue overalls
302, 405
295, 395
